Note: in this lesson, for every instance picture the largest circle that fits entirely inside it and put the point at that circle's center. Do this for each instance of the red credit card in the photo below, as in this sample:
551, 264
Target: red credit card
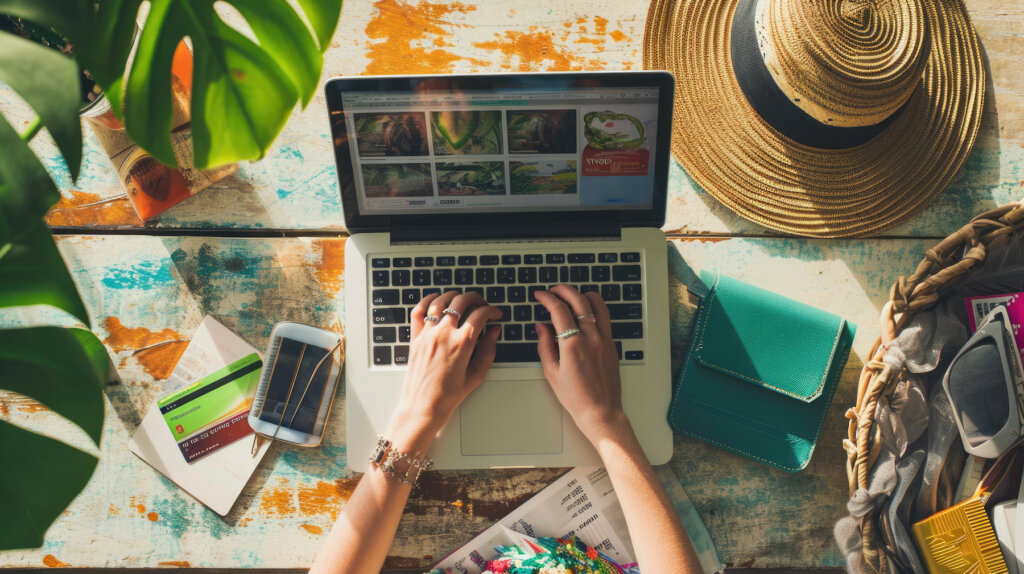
215, 437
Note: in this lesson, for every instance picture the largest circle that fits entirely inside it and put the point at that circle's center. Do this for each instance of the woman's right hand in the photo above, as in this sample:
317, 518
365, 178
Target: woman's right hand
583, 370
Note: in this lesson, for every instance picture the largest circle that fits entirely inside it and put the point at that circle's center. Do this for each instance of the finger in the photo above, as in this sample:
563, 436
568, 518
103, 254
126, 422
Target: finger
475, 322
484, 356
604, 316
580, 306
418, 313
547, 348
461, 304
441, 303
561, 316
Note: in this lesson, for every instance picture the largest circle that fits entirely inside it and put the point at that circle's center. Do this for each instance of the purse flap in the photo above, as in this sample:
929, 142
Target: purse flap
766, 339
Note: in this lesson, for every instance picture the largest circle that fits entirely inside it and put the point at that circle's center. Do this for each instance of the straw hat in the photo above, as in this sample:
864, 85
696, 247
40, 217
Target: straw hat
827, 118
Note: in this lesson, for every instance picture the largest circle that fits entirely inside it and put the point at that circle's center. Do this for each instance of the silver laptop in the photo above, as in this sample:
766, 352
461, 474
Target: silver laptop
504, 184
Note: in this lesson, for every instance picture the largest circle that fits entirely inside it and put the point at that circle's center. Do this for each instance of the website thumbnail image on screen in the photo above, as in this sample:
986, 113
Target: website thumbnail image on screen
517, 150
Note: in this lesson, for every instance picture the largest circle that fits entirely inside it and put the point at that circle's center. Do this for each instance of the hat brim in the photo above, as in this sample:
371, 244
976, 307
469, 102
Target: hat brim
762, 175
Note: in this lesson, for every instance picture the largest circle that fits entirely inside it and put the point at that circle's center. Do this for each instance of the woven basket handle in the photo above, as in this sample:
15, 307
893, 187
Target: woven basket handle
941, 267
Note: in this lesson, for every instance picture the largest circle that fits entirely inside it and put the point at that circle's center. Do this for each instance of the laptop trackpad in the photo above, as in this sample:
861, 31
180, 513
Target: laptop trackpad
511, 417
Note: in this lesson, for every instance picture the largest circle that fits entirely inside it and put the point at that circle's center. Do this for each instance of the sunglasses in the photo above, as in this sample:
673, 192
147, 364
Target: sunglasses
985, 386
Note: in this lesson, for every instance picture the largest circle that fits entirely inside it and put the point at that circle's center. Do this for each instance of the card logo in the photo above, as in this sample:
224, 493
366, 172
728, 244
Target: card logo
180, 429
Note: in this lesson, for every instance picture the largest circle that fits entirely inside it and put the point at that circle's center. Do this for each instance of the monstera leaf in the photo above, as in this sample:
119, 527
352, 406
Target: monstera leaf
48, 81
63, 369
242, 90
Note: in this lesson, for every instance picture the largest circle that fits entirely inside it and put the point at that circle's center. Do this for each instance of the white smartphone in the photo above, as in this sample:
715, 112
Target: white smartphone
296, 388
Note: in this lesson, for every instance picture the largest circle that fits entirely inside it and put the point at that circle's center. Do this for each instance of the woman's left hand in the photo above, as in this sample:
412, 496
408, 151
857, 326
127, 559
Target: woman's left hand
443, 368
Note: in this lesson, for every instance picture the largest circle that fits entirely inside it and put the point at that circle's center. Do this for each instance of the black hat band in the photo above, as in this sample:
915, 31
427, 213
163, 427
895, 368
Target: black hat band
769, 101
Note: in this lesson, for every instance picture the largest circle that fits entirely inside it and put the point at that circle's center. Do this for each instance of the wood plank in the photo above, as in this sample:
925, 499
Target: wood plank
294, 187
144, 290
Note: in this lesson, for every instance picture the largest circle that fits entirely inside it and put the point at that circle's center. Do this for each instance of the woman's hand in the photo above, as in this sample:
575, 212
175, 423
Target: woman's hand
442, 367
583, 369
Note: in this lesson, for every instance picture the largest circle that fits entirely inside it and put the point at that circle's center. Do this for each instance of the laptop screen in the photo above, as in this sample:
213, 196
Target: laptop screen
499, 144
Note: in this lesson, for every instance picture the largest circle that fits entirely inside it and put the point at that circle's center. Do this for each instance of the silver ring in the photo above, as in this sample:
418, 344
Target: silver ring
588, 318
432, 318
568, 334
450, 311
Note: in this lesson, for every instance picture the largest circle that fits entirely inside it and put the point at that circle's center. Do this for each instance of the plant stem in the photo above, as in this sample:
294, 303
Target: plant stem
32, 130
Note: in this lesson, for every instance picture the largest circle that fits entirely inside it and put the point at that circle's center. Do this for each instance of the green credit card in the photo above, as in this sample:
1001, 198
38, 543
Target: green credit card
220, 394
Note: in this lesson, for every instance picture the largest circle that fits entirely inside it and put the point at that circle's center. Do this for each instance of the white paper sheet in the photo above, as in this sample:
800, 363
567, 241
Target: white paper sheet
217, 479
582, 503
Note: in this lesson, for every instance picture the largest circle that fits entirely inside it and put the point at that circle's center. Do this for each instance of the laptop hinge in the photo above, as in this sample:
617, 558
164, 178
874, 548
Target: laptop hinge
436, 233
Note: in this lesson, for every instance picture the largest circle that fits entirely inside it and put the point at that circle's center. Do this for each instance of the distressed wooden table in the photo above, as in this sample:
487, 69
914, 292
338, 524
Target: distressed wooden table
266, 245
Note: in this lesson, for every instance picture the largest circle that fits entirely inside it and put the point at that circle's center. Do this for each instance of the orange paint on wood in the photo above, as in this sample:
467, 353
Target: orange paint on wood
31, 407
279, 501
51, 561
331, 271
401, 32
83, 209
312, 529
174, 564
140, 508
114, 510
158, 361
153, 517
618, 36
534, 50
325, 497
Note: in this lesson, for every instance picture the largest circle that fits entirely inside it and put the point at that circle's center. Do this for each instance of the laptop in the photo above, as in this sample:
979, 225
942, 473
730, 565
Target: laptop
504, 184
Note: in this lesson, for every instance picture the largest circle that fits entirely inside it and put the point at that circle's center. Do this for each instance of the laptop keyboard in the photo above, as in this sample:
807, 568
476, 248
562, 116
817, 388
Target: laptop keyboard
507, 281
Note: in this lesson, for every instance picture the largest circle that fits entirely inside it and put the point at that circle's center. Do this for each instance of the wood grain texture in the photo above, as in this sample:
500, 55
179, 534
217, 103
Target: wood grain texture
144, 290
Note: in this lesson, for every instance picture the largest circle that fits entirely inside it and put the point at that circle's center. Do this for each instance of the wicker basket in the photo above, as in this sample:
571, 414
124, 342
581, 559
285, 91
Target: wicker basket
941, 268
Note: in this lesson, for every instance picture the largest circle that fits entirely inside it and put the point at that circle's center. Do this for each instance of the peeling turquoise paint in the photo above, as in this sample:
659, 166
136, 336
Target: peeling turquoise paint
144, 275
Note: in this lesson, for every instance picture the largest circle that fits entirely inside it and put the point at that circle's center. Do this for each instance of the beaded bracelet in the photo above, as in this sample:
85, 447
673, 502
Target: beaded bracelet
389, 460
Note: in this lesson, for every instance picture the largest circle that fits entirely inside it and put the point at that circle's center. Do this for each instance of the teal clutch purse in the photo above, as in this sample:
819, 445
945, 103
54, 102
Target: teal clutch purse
760, 373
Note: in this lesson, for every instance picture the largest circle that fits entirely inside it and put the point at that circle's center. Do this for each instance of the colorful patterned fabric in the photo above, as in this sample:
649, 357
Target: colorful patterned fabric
552, 556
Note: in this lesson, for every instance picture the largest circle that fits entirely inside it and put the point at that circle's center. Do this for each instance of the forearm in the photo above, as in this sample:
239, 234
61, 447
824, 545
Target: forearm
658, 535
362, 535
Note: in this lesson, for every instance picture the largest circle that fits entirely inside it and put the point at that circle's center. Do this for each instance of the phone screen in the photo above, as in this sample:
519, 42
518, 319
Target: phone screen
292, 375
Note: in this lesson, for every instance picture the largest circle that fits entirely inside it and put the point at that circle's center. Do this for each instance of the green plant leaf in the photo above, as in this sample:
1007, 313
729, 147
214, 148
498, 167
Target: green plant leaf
48, 81
102, 33
32, 272
39, 477
323, 16
242, 91
105, 51
285, 38
95, 352
26, 190
52, 366
72, 18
